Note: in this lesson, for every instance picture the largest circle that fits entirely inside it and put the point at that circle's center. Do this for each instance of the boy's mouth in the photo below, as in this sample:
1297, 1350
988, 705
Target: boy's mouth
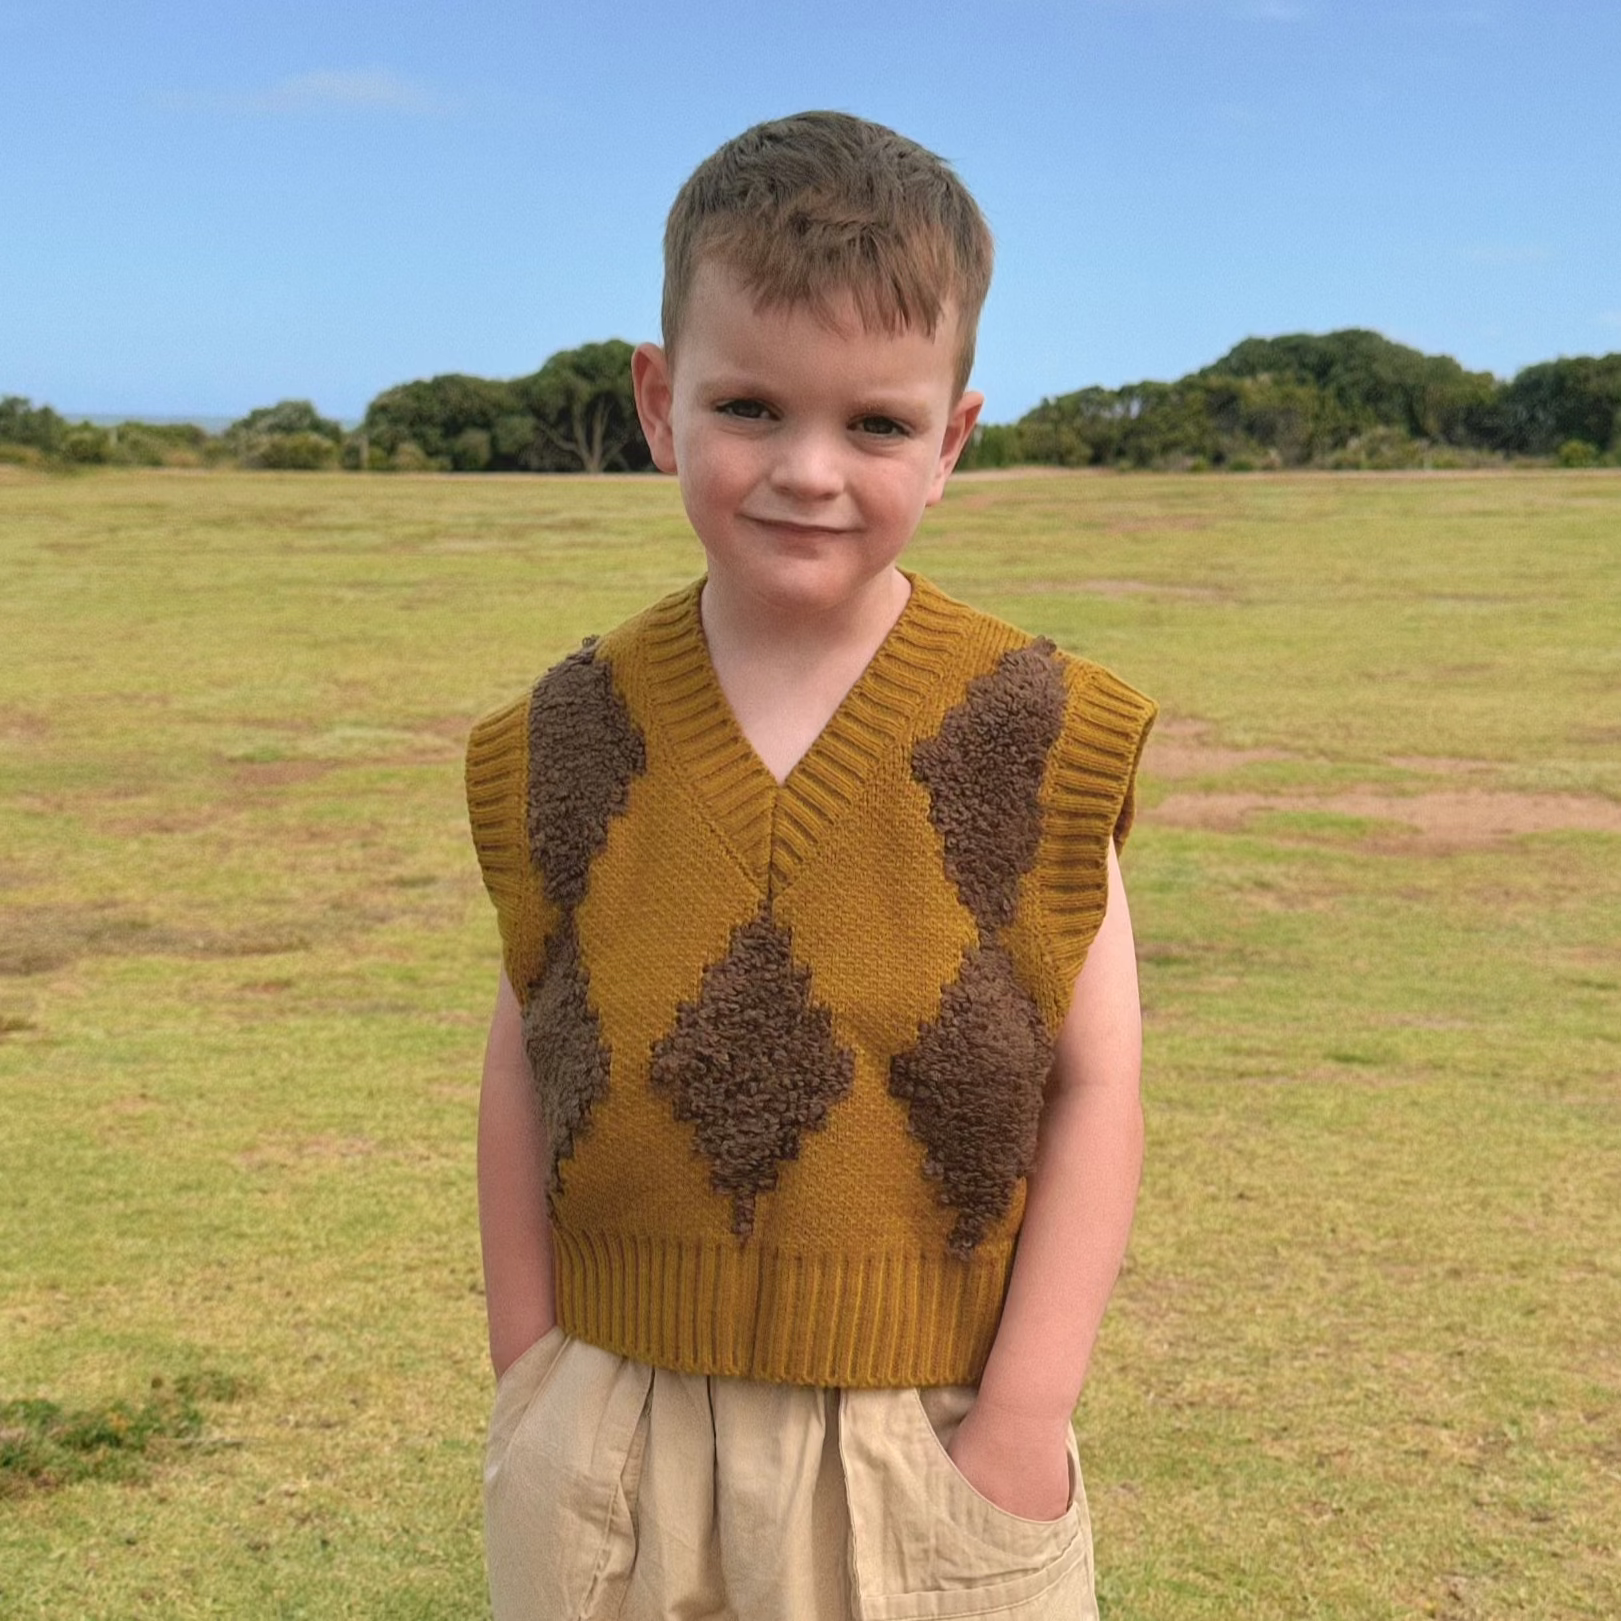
796, 526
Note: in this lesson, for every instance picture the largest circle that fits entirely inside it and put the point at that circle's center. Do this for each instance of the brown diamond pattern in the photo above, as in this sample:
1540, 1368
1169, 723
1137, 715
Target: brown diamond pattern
567, 1056
584, 753
752, 1064
983, 770
973, 1082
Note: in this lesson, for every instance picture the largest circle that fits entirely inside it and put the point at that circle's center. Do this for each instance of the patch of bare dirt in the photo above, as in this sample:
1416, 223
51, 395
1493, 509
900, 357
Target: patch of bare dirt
1179, 748
452, 728
280, 773
1453, 819
42, 939
23, 726
1441, 765
326, 1149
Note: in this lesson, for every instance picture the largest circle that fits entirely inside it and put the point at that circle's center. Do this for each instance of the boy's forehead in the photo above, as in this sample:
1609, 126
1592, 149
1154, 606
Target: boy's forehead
729, 323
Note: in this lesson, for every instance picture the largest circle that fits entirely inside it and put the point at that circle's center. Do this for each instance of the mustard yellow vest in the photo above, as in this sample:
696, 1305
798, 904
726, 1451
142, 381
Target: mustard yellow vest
790, 1041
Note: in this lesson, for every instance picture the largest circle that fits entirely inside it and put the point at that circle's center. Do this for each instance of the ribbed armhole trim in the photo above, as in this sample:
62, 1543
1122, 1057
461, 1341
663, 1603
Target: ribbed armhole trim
1090, 798
755, 1312
497, 786
497, 766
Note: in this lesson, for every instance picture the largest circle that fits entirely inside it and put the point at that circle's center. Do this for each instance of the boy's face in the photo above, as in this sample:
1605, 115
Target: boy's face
806, 452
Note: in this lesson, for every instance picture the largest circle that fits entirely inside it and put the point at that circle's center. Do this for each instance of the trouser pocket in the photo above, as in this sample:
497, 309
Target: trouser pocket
925, 1543
560, 1483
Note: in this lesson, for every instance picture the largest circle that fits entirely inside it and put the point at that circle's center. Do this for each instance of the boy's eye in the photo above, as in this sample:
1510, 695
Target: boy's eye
748, 410
881, 427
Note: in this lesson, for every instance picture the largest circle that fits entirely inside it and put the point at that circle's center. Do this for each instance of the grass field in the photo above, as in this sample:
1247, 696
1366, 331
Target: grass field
1365, 1360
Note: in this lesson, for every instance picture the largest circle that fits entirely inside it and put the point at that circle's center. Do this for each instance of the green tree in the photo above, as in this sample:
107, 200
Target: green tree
296, 452
1371, 380
471, 451
285, 417
87, 445
23, 423
1546, 406
434, 413
584, 409
290, 435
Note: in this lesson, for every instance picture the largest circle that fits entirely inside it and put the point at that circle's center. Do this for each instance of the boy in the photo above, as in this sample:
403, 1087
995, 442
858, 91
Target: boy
810, 1134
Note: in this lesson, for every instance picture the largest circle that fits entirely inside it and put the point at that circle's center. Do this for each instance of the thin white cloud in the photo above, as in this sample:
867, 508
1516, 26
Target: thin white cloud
351, 89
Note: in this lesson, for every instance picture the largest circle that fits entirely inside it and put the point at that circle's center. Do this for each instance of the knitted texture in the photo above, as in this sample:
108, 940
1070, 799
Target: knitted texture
790, 1041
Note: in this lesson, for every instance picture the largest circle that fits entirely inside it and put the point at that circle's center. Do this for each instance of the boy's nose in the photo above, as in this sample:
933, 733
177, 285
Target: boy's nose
807, 467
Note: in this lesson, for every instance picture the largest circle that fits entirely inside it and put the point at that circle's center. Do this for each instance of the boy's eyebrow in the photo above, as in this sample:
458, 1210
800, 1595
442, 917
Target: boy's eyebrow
880, 398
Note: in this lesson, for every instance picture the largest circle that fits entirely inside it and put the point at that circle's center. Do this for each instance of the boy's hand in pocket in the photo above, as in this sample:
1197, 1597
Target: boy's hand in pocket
1020, 1466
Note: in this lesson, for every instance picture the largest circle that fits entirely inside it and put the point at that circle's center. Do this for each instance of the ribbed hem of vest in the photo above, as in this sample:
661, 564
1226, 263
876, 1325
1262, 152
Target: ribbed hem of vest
754, 1312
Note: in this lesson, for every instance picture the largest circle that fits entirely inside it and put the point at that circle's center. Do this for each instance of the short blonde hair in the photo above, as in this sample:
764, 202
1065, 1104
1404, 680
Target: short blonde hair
823, 205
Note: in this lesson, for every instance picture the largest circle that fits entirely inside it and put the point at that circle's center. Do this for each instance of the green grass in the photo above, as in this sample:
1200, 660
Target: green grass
1365, 1360
44, 1446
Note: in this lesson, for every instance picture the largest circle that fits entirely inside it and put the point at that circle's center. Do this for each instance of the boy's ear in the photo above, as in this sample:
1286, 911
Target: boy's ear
958, 427
650, 376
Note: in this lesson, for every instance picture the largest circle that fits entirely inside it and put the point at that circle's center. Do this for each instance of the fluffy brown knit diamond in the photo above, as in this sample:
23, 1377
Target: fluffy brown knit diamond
584, 753
564, 1042
983, 770
974, 1080
752, 1064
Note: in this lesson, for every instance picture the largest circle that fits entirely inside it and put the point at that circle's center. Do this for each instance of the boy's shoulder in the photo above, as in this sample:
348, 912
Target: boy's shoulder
1086, 681
571, 674
660, 641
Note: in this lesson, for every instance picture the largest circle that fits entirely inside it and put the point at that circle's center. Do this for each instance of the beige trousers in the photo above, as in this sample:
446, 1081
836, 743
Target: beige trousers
616, 1490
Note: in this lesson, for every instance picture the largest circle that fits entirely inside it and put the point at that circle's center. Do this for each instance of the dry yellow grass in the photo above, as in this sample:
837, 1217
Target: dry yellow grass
1364, 1360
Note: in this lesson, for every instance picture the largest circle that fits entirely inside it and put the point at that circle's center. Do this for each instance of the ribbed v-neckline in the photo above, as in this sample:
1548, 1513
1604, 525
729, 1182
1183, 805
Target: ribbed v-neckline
752, 808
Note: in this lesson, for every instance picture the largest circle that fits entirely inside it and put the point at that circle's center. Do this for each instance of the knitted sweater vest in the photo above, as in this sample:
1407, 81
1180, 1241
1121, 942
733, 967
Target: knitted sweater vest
790, 1042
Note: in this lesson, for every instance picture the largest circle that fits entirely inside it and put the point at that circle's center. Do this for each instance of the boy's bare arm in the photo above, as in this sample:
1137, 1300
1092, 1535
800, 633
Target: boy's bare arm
1082, 1192
512, 1159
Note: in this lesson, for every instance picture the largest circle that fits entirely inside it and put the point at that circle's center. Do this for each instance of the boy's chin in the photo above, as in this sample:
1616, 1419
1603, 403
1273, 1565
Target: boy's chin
809, 586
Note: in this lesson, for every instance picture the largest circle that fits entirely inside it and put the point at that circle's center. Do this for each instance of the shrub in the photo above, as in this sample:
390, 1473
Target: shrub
513, 436
133, 446
87, 445
471, 451
992, 445
410, 457
1380, 450
1578, 453
22, 423
285, 417
293, 452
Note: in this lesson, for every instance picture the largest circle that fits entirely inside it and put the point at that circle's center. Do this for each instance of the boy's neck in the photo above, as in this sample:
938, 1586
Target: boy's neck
742, 631
784, 674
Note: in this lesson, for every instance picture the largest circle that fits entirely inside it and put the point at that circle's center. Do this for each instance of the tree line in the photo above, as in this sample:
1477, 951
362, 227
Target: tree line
1349, 399
1343, 399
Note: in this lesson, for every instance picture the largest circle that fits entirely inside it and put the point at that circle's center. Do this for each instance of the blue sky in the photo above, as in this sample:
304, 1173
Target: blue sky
204, 208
